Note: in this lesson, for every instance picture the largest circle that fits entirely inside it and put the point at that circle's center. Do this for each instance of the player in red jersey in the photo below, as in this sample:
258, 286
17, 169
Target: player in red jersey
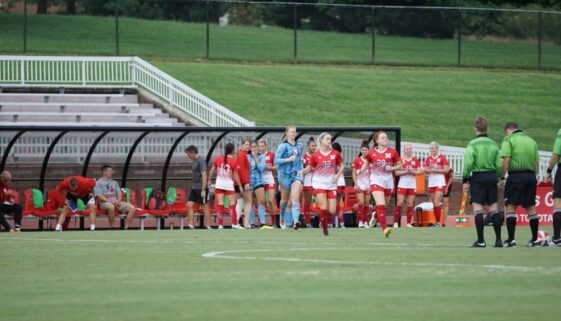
446, 196
340, 190
224, 166
308, 189
362, 185
436, 165
407, 186
328, 166
382, 161
269, 179
71, 189
245, 197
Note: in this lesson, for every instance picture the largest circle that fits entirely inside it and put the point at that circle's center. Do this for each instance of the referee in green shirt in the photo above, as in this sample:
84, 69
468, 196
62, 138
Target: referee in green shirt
520, 159
554, 161
482, 168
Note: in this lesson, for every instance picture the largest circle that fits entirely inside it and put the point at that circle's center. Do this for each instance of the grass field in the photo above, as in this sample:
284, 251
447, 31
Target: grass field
86, 35
429, 104
417, 274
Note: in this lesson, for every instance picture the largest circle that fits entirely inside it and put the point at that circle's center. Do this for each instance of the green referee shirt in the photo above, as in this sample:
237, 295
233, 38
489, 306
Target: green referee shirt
482, 155
522, 150
557, 145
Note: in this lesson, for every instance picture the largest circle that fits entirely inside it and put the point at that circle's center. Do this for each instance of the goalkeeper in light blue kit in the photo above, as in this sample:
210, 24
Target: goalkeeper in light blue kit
289, 160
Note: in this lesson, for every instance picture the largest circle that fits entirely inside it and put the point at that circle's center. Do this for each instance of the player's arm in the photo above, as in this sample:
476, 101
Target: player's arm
553, 161
364, 166
211, 174
504, 166
468, 164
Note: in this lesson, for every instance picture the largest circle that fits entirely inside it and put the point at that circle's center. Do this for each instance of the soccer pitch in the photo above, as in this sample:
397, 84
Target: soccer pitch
354, 274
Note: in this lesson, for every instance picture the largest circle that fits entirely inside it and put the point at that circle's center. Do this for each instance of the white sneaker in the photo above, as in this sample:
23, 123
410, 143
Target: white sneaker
360, 225
409, 225
387, 232
237, 227
395, 225
92, 227
283, 227
58, 228
342, 225
220, 227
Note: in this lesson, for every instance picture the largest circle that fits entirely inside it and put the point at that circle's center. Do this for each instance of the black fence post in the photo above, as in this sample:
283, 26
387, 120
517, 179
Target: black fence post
295, 55
540, 40
373, 32
24, 26
116, 27
460, 24
207, 45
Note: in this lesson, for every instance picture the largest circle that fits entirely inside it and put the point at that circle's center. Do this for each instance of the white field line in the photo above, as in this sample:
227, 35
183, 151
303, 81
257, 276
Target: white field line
229, 255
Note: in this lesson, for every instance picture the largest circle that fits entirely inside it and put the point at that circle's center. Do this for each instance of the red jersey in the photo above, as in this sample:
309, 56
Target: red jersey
242, 167
363, 178
225, 172
85, 185
325, 167
4, 196
268, 177
438, 162
409, 180
308, 177
379, 160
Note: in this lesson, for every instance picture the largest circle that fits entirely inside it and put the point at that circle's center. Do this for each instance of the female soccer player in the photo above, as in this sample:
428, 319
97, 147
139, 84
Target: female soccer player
383, 161
308, 189
328, 166
256, 168
243, 182
340, 190
407, 186
224, 166
362, 184
436, 165
289, 161
269, 178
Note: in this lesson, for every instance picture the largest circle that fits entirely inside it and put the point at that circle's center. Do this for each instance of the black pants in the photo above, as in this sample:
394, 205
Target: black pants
14, 209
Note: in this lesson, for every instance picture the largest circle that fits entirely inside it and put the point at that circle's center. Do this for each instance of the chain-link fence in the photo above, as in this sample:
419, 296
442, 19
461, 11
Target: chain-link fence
287, 32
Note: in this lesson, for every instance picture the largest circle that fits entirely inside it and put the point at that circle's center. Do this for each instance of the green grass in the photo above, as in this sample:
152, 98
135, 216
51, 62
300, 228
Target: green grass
417, 274
428, 104
169, 40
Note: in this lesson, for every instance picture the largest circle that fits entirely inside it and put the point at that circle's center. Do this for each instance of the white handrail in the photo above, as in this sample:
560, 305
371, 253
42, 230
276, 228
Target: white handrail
118, 71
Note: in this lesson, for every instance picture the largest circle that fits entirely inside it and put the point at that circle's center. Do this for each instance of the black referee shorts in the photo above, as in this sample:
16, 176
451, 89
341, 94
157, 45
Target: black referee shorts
520, 189
557, 183
195, 196
483, 188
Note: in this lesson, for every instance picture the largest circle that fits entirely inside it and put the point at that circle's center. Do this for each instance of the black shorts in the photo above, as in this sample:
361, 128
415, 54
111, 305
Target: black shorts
253, 189
447, 192
195, 196
483, 188
557, 183
520, 189
237, 188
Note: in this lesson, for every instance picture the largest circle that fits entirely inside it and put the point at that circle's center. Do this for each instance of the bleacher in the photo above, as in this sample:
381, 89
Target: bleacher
80, 109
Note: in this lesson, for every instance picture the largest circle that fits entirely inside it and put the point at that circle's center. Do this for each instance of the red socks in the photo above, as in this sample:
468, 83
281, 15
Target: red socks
234, 214
323, 221
220, 211
307, 215
397, 215
381, 214
409, 214
437, 213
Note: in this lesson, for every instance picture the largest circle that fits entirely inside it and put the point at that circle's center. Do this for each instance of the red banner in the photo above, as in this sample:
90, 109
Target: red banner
544, 206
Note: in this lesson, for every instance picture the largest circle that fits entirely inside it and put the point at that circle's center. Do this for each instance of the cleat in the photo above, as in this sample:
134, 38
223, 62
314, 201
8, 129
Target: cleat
12, 230
556, 242
535, 243
387, 232
373, 222
297, 225
479, 244
308, 225
498, 243
395, 225
409, 225
509, 243
190, 227
266, 227
360, 225
342, 225
220, 227
436, 225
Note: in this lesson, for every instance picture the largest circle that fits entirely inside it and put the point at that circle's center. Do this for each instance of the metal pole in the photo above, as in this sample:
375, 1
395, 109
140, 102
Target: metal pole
207, 52
117, 27
24, 26
373, 31
295, 56
540, 40
460, 39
